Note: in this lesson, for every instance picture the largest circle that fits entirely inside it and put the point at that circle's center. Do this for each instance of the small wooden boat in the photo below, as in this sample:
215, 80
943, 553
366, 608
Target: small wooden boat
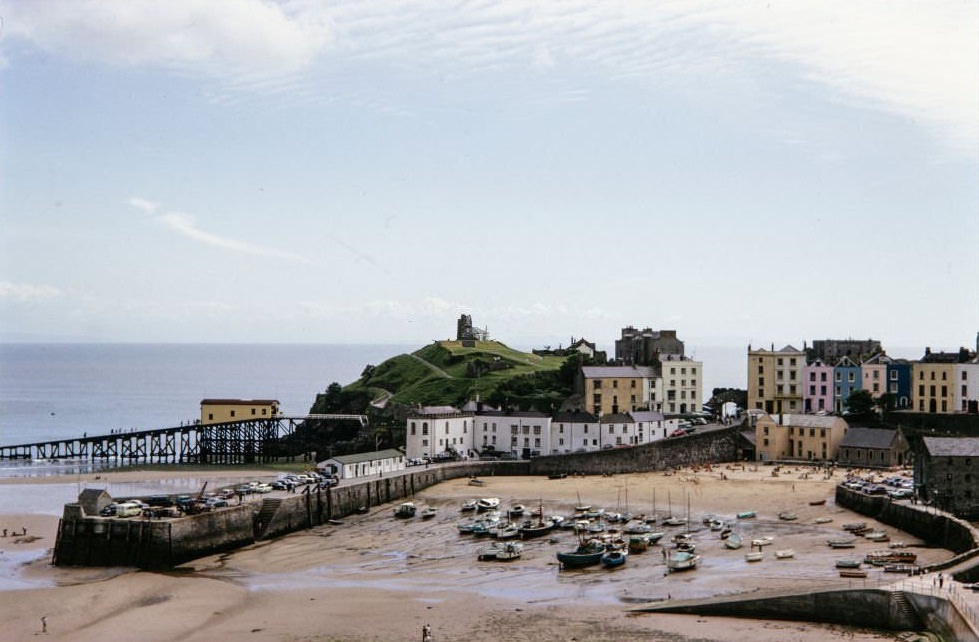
517, 510
841, 543
674, 521
682, 561
787, 516
557, 475
877, 536
890, 556
489, 552
613, 559
853, 572
506, 531
855, 526
784, 554
509, 551
907, 569
747, 514
848, 563
822, 520
638, 543
588, 553
754, 556
468, 505
817, 502
429, 512
405, 509
762, 541
734, 541
476, 482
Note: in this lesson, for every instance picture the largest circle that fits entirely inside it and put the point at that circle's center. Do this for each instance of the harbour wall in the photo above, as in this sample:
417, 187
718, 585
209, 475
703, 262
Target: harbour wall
92, 540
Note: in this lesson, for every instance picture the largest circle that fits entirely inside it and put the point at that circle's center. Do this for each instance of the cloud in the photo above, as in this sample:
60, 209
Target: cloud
27, 292
142, 204
216, 37
185, 225
913, 59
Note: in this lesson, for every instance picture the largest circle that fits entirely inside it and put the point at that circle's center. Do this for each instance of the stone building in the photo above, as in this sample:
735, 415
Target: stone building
874, 447
832, 350
619, 389
946, 471
647, 347
775, 380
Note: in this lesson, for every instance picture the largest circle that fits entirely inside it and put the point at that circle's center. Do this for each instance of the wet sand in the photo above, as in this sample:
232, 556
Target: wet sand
375, 577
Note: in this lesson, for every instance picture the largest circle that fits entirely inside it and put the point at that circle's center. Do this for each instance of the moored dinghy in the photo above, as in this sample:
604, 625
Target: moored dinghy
614, 558
405, 509
784, 554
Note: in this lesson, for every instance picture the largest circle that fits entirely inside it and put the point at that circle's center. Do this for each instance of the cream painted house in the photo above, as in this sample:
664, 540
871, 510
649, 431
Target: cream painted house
683, 391
775, 380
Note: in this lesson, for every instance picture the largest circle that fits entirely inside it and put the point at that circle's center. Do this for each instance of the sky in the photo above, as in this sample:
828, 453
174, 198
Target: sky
306, 171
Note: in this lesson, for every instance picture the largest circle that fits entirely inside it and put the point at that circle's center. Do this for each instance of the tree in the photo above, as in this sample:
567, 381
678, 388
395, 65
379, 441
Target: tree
861, 403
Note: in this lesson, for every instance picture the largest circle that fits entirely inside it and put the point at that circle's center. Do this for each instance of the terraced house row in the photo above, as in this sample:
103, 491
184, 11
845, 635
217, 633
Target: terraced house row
821, 379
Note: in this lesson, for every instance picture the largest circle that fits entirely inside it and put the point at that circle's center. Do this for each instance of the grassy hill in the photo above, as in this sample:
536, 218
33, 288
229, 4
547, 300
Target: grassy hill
446, 373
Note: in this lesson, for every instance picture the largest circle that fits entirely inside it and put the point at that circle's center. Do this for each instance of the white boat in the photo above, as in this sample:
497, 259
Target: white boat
682, 561
469, 504
429, 512
487, 503
754, 556
784, 554
761, 541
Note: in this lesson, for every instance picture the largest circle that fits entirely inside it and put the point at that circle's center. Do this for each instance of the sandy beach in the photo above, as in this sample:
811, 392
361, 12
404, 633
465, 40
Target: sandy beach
374, 577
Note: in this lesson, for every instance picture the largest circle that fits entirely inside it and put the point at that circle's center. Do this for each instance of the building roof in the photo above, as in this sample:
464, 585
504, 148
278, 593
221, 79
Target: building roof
238, 402
574, 417
437, 410
512, 413
878, 438
618, 372
616, 418
359, 458
952, 446
807, 421
646, 415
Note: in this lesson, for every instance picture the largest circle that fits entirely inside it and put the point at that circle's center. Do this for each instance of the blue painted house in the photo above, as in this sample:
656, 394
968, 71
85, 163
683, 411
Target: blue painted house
846, 381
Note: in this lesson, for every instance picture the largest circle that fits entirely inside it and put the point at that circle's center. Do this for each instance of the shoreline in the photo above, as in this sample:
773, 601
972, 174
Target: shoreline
376, 578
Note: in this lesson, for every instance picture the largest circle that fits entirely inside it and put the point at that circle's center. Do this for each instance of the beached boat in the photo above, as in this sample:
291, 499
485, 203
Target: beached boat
784, 554
841, 543
587, 553
855, 526
853, 572
788, 516
849, 563
734, 541
468, 505
476, 482
907, 569
762, 541
405, 509
429, 512
817, 502
682, 561
487, 503
636, 527
822, 520
747, 514
509, 551
535, 528
489, 552
638, 543
653, 538
877, 536
890, 556
614, 558
674, 521
557, 475
516, 510
754, 556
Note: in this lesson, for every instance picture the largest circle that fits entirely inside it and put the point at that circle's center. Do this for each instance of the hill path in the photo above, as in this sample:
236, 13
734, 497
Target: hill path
435, 368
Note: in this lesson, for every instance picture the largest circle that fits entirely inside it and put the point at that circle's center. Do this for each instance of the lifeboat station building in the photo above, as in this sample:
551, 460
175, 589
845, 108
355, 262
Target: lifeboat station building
220, 411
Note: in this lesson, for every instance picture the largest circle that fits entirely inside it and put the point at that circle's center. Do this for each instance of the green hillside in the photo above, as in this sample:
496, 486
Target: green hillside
446, 373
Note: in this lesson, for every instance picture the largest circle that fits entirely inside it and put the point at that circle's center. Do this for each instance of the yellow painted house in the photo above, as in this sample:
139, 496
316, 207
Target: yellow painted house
218, 411
798, 437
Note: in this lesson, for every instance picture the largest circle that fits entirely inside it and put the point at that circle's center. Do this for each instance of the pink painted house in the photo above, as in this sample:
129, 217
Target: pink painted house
817, 387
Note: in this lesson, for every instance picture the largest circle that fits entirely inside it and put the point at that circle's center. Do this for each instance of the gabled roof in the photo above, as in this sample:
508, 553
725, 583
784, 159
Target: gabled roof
878, 438
807, 421
238, 402
359, 458
790, 348
646, 416
952, 446
618, 372
574, 417
847, 362
878, 359
616, 418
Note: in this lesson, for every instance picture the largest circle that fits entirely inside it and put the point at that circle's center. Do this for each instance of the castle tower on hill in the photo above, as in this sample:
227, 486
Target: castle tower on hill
467, 333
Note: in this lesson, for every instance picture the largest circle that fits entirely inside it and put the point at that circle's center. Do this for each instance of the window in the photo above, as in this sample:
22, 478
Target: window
596, 384
232, 413
850, 377
792, 361
693, 371
822, 376
425, 429
210, 416
761, 370
779, 361
632, 383
839, 376
812, 376
413, 428
615, 383
254, 411
672, 371
893, 374
264, 410
761, 382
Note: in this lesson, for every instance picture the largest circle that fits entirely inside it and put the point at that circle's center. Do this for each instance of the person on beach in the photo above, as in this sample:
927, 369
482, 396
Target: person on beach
44, 624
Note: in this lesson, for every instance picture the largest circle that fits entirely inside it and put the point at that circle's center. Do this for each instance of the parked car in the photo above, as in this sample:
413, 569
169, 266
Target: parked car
900, 493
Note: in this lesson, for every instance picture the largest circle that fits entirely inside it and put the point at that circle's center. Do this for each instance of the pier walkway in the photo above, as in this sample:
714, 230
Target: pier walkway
237, 442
